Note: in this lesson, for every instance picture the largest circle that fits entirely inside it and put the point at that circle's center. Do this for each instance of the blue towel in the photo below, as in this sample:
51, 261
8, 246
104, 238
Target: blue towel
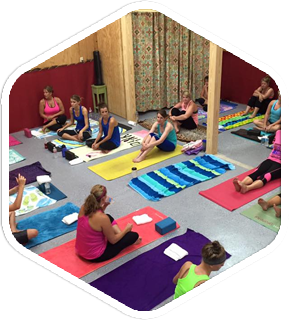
49, 224
174, 178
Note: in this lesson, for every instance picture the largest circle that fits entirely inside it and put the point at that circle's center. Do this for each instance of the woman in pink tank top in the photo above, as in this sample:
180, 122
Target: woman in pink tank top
184, 113
51, 109
98, 236
268, 170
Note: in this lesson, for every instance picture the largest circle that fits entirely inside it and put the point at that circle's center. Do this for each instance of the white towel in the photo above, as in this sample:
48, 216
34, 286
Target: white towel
144, 218
71, 218
75, 161
36, 133
43, 179
175, 252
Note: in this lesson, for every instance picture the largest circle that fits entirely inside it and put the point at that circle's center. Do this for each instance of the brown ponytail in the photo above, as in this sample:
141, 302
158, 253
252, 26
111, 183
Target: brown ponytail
93, 201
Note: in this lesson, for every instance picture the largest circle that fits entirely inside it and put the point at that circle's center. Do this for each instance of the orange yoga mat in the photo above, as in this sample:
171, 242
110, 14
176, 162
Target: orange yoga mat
64, 256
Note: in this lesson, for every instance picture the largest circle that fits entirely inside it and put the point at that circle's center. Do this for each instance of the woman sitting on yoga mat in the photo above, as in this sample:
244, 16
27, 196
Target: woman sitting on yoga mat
165, 140
268, 170
272, 119
51, 109
79, 113
108, 137
260, 98
273, 202
187, 117
22, 236
98, 236
191, 276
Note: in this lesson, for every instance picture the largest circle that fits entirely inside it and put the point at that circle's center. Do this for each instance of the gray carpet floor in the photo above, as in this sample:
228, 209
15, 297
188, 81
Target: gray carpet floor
240, 236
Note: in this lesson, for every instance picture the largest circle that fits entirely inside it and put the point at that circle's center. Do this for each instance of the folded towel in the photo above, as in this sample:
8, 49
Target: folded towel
191, 145
36, 133
175, 252
144, 218
43, 179
75, 161
71, 218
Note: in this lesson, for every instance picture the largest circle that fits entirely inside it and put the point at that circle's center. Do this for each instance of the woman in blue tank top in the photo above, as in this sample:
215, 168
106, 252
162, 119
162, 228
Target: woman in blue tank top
79, 113
108, 137
272, 119
165, 140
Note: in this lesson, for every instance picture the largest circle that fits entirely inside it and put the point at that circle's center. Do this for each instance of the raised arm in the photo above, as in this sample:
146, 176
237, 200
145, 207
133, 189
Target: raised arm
17, 203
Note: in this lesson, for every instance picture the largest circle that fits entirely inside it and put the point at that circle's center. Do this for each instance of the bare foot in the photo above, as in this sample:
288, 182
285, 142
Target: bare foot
263, 204
252, 116
138, 240
136, 160
236, 184
277, 210
244, 188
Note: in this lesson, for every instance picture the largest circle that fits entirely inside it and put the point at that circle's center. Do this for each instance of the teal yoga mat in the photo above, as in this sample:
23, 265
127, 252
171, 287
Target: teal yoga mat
49, 224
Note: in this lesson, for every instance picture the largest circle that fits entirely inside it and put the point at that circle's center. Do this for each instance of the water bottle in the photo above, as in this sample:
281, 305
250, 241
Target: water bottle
263, 140
63, 150
266, 142
90, 113
54, 151
47, 188
45, 143
134, 172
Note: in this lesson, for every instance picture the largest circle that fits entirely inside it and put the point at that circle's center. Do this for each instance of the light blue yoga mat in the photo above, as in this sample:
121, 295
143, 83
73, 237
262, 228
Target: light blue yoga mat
49, 224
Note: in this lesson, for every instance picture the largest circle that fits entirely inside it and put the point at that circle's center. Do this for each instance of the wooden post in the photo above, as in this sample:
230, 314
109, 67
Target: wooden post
128, 64
214, 92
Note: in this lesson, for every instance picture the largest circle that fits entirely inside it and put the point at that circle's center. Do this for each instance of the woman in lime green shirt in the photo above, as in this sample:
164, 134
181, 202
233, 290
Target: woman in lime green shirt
190, 275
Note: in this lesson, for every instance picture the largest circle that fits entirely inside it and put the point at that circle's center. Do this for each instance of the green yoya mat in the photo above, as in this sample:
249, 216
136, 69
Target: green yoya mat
267, 218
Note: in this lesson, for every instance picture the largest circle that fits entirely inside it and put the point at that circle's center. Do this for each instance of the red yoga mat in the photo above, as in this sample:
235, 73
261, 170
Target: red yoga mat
64, 256
226, 196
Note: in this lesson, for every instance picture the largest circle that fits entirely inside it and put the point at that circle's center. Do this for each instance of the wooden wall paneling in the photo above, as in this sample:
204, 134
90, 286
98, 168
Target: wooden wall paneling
214, 85
110, 48
128, 62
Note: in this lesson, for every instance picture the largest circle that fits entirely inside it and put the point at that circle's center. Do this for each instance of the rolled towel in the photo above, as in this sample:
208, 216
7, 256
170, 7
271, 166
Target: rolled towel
144, 218
71, 218
175, 252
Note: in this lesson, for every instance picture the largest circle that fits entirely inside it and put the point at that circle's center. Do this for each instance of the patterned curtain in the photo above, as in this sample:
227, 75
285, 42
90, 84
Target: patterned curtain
168, 59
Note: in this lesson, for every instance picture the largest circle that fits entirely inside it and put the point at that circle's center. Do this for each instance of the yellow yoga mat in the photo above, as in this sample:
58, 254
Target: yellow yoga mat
121, 166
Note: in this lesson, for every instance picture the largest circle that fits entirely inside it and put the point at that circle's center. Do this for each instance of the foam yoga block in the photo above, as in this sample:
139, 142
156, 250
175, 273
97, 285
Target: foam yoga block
165, 225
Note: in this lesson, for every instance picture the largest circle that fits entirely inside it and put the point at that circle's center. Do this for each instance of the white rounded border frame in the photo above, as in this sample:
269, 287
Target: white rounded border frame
194, 303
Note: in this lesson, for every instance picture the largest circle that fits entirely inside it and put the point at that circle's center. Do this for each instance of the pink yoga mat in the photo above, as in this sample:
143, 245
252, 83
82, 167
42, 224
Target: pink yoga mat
13, 141
64, 256
226, 196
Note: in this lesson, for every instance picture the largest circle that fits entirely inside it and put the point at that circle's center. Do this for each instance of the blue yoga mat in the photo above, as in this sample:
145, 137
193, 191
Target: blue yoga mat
55, 194
49, 224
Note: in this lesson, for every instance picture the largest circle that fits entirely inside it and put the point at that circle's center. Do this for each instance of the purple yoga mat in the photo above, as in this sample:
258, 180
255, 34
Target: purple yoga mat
146, 281
30, 172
